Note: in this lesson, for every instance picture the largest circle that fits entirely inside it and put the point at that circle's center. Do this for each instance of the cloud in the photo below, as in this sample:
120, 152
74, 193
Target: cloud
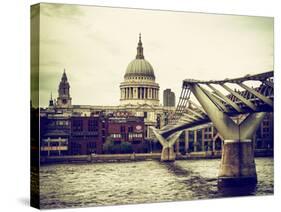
65, 11
95, 45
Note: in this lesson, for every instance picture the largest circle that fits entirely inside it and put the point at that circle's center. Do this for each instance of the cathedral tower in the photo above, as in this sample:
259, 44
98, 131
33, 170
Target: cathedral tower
64, 99
139, 86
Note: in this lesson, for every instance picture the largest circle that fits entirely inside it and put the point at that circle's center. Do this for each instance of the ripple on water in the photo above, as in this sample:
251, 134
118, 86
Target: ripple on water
79, 185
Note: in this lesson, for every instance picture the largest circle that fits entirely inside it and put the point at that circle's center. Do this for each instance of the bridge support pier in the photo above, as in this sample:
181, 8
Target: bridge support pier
237, 166
168, 154
237, 163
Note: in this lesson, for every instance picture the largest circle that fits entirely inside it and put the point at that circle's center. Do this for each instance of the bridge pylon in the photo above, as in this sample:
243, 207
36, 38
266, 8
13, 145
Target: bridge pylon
168, 154
237, 163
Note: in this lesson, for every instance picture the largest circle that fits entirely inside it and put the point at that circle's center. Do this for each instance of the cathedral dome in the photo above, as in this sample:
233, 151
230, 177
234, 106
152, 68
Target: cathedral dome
139, 86
140, 68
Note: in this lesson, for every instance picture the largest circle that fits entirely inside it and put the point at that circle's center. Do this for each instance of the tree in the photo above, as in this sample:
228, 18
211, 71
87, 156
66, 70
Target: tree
126, 147
108, 146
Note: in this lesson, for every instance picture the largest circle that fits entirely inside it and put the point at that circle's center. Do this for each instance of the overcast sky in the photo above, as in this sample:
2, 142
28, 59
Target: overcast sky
95, 45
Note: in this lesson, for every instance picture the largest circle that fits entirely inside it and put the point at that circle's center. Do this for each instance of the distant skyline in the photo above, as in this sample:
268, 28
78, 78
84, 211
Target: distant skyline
95, 45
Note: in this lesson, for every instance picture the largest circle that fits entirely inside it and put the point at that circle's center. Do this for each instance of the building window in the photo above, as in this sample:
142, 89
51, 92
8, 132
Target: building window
207, 136
115, 135
75, 148
122, 129
91, 147
145, 114
93, 125
208, 129
77, 125
54, 143
266, 123
191, 135
130, 129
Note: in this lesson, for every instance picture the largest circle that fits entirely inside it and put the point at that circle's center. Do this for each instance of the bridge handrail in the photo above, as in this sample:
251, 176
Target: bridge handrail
258, 77
257, 96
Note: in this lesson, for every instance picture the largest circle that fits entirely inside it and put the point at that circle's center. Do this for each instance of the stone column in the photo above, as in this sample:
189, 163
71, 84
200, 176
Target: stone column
195, 141
141, 93
135, 93
263, 145
203, 140
156, 90
48, 141
59, 144
186, 140
213, 141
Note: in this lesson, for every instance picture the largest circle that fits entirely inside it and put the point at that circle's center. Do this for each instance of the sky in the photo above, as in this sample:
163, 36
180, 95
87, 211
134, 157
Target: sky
95, 44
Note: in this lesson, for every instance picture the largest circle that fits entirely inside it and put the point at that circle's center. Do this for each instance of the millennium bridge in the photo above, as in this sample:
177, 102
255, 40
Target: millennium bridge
218, 102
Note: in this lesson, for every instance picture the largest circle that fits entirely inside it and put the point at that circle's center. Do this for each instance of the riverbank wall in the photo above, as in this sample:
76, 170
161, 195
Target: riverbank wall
104, 158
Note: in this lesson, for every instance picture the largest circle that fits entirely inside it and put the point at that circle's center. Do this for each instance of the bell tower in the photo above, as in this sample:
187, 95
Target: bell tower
51, 101
64, 99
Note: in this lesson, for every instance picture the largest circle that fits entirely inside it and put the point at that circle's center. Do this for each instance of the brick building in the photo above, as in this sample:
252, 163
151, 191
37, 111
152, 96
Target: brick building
125, 128
206, 137
54, 134
84, 129
88, 133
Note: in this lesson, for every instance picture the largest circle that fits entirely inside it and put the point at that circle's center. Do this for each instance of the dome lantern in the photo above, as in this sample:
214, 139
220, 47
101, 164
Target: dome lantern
140, 49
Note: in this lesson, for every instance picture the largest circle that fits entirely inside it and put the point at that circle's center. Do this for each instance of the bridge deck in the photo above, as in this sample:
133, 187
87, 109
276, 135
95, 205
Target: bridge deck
249, 100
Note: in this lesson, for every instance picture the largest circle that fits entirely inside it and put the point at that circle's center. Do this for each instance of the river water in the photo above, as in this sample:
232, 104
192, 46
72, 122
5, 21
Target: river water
81, 185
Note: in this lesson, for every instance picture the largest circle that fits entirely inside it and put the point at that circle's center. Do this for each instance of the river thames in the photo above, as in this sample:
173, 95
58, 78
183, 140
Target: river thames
82, 185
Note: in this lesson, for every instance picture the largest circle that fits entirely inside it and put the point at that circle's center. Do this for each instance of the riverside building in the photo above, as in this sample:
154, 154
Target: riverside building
83, 129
